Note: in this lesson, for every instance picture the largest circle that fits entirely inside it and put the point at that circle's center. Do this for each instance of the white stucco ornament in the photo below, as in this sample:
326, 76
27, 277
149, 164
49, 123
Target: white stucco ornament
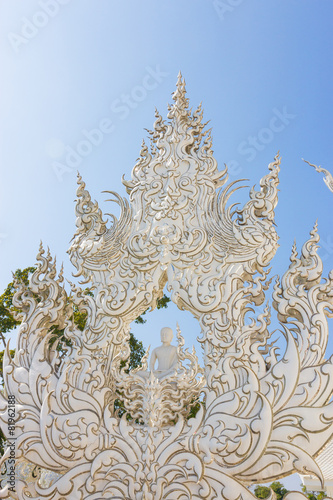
263, 416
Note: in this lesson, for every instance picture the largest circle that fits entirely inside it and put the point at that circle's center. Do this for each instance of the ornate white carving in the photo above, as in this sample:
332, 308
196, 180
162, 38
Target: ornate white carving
263, 416
328, 179
160, 398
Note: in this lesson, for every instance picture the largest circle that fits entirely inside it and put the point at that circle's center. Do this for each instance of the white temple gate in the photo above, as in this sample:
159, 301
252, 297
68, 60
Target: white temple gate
263, 417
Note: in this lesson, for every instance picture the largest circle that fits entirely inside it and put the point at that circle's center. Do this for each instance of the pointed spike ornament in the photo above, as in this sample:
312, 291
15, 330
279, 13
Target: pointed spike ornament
89, 216
328, 179
294, 253
314, 232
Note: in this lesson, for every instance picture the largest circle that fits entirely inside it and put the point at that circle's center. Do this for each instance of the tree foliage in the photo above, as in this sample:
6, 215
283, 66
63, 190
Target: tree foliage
264, 491
280, 491
161, 304
314, 495
261, 491
7, 320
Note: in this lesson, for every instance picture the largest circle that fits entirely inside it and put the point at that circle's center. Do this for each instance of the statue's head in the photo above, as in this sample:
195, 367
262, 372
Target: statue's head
166, 334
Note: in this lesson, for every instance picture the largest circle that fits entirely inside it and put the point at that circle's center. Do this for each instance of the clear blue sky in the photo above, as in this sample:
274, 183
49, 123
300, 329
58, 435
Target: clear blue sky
263, 71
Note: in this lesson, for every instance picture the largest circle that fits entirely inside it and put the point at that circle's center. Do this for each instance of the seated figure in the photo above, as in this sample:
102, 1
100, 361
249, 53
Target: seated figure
166, 355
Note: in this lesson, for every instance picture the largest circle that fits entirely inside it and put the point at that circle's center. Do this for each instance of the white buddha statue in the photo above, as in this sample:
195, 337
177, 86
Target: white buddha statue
166, 355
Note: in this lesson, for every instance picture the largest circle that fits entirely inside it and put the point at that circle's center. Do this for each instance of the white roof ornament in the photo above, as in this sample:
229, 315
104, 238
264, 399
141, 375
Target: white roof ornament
328, 179
262, 417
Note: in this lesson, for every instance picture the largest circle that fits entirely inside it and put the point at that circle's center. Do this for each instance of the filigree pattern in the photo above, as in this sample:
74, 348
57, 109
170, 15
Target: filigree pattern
262, 416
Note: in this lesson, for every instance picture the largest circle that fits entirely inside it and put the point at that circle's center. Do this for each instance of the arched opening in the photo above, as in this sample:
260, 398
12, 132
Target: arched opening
175, 369
149, 331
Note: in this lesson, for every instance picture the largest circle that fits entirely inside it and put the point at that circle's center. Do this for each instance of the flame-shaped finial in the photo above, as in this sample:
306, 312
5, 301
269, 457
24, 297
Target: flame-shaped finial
294, 253
180, 106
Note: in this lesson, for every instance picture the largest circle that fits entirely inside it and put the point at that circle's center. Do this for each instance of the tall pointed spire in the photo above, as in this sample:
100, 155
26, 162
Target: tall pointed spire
89, 215
180, 107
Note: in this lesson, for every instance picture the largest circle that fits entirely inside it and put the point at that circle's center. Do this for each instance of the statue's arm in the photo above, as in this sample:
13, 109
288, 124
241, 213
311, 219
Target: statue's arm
152, 360
174, 359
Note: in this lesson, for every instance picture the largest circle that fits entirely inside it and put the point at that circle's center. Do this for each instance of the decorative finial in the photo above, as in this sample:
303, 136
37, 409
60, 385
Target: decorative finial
328, 179
294, 252
179, 79
314, 233
180, 106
